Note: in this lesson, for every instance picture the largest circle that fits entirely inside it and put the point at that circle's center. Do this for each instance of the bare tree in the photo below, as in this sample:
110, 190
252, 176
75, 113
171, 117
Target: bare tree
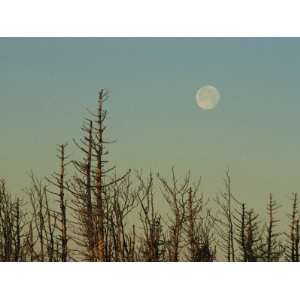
12, 223
225, 223
153, 239
252, 237
43, 219
176, 196
120, 245
91, 188
292, 247
198, 227
82, 191
58, 181
273, 247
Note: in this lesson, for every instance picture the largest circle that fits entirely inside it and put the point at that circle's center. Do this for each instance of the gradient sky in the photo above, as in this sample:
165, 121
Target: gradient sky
46, 84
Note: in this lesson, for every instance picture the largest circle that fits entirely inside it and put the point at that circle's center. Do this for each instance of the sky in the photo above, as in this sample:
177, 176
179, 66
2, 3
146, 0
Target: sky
46, 84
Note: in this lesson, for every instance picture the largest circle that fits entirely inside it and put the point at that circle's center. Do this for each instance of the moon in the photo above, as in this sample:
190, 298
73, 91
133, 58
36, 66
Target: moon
207, 97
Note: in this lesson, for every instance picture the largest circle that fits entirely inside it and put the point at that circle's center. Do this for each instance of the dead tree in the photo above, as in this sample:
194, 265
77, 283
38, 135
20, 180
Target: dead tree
293, 238
12, 223
37, 197
91, 188
82, 191
274, 249
176, 197
193, 210
28, 250
198, 228
101, 174
44, 220
58, 181
252, 237
240, 225
120, 244
225, 223
152, 246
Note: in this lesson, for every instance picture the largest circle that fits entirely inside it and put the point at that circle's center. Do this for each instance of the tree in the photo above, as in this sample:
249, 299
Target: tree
176, 197
225, 222
272, 249
58, 181
91, 187
292, 247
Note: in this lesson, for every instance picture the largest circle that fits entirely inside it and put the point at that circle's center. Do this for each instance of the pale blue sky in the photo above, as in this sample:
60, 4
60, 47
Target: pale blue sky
45, 85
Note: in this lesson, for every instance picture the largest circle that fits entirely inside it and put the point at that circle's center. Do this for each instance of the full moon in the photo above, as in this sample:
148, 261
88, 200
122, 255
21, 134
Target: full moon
207, 97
